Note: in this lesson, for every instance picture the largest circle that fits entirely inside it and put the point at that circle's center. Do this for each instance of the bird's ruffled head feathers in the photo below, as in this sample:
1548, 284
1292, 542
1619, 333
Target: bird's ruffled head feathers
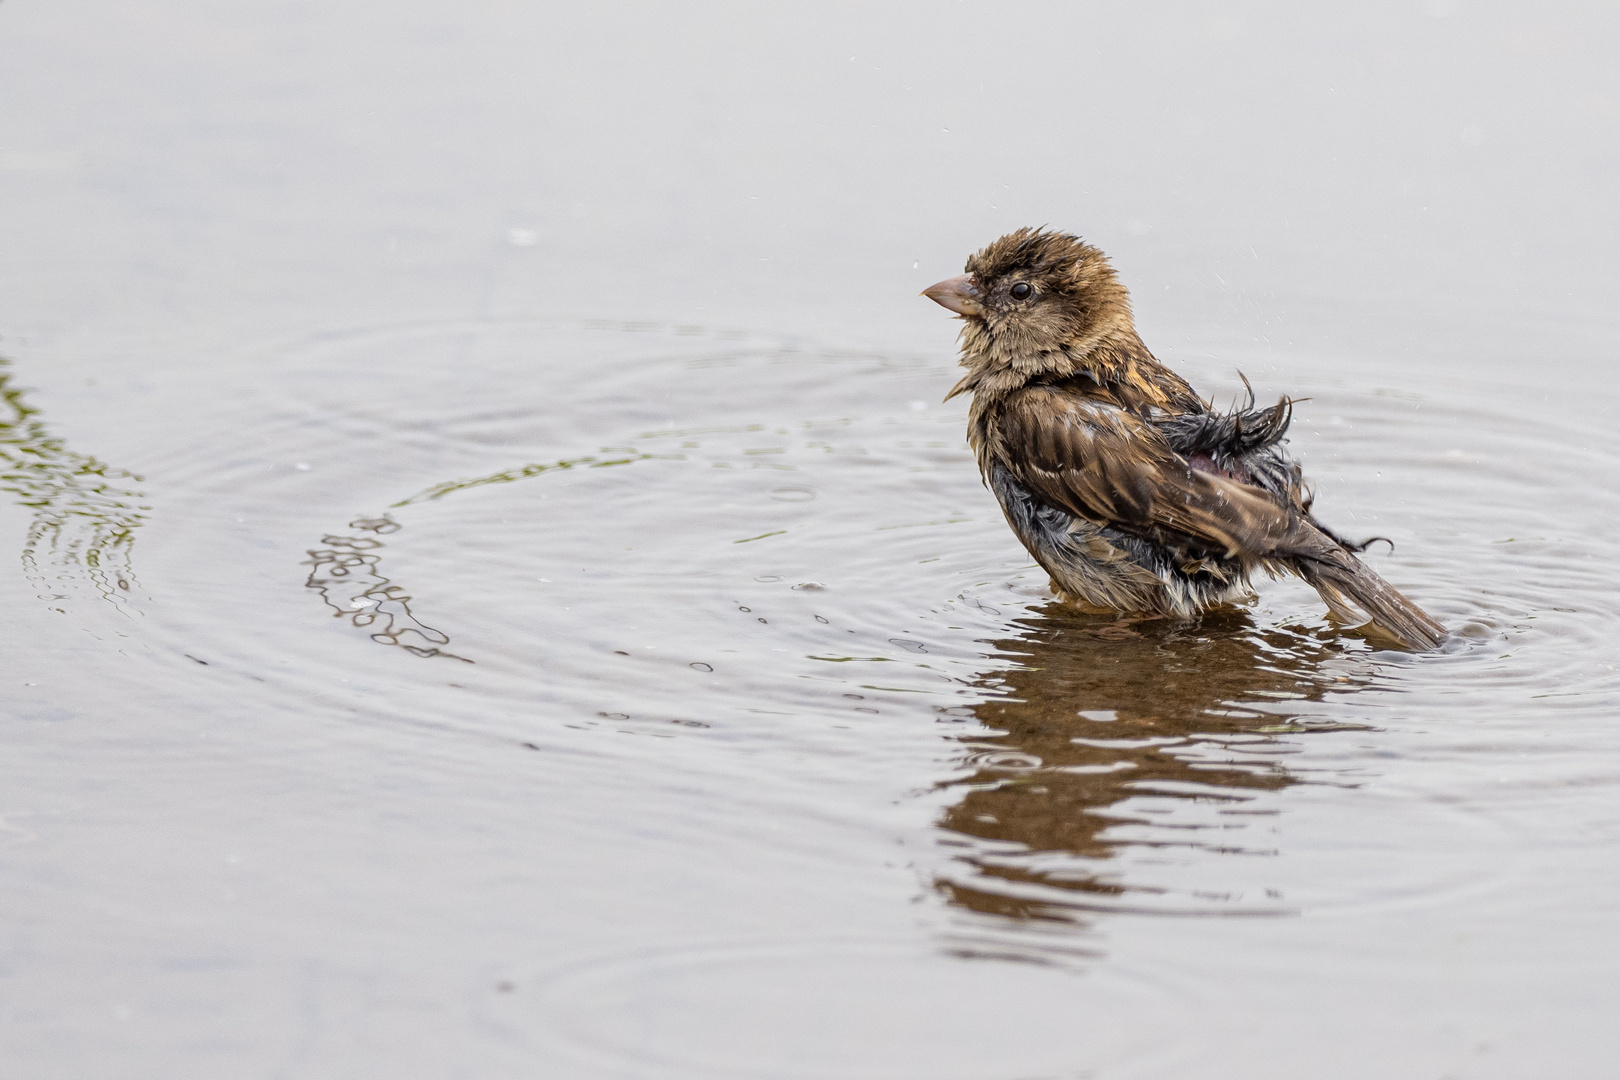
1034, 300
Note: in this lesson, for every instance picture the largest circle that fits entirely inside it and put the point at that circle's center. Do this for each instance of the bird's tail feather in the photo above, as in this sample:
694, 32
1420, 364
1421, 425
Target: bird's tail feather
1347, 580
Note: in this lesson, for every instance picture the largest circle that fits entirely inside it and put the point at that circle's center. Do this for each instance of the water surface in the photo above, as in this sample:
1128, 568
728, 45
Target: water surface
495, 591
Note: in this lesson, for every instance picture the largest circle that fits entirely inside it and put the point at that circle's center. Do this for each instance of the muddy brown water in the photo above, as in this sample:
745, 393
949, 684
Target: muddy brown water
494, 590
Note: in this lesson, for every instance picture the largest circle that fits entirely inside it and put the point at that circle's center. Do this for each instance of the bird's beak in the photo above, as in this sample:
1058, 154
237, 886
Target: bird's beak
956, 294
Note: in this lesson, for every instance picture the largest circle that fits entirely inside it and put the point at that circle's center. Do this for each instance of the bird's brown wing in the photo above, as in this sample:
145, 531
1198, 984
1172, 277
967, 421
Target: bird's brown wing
1104, 464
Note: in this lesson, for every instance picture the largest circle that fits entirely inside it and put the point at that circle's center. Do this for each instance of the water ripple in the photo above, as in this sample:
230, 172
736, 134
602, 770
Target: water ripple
84, 517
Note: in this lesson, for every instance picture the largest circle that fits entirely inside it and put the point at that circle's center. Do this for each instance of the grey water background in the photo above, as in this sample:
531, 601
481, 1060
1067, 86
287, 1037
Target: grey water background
494, 591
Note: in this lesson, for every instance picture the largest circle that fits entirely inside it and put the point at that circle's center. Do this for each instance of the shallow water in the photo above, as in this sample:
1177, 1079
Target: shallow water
498, 592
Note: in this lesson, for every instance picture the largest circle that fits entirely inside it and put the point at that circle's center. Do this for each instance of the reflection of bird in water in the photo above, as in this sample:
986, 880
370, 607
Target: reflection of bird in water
1122, 483
1098, 721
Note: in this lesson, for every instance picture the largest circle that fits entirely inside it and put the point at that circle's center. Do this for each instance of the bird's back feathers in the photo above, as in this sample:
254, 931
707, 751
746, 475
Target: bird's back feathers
1203, 499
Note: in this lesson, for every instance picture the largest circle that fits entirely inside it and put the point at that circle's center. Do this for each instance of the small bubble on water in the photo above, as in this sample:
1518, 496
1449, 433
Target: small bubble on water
522, 237
303, 466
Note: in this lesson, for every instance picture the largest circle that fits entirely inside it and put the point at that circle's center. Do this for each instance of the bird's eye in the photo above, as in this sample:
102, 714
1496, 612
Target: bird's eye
1021, 291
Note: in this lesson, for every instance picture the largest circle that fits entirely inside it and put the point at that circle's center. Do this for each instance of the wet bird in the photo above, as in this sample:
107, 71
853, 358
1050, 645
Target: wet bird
1131, 491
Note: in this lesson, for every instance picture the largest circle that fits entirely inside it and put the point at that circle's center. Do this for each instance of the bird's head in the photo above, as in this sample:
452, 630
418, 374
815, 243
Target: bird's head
1036, 293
